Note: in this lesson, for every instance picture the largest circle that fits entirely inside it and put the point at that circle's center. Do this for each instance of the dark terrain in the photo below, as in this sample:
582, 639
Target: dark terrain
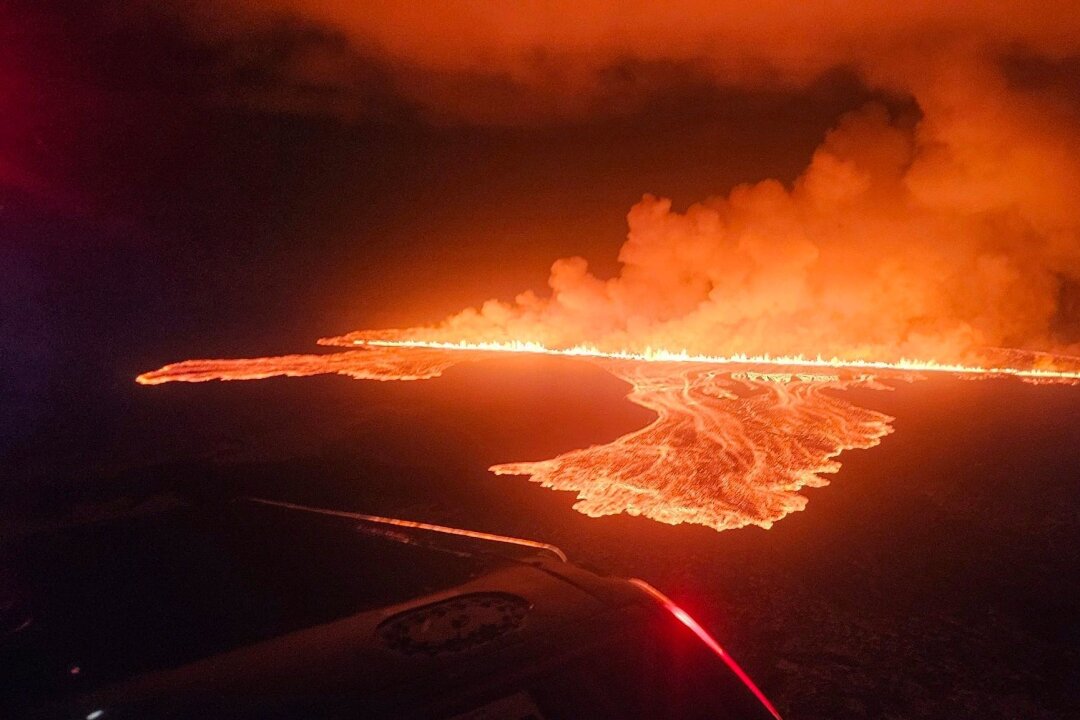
935, 577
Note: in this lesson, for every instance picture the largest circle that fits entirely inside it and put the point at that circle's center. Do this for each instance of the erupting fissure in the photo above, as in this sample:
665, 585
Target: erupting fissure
682, 356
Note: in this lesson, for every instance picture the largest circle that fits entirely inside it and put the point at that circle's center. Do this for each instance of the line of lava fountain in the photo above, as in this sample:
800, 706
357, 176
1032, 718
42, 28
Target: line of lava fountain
683, 356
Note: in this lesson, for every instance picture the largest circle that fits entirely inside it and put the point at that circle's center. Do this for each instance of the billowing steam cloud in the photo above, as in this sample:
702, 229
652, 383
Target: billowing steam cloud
934, 235
925, 240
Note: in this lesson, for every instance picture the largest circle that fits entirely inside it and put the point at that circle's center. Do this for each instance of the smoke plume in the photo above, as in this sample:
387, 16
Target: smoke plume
929, 234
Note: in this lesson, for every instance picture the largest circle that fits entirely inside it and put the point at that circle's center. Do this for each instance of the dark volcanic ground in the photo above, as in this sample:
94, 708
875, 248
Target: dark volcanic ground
938, 576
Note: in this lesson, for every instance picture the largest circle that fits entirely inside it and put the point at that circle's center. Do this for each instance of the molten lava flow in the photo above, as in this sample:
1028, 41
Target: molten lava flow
720, 453
367, 364
734, 439
733, 442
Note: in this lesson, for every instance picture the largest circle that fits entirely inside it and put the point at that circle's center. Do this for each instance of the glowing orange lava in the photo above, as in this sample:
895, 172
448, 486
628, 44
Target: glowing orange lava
721, 453
367, 364
734, 440
682, 356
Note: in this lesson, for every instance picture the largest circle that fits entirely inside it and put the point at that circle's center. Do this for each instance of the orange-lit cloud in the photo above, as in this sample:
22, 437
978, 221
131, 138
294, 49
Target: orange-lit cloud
490, 61
932, 235
926, 239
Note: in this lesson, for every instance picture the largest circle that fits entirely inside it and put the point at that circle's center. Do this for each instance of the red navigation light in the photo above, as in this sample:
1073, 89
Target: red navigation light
684, 617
